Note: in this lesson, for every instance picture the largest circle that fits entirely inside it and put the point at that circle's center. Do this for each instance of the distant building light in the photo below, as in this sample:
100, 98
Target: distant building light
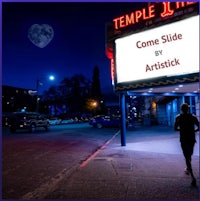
153, 105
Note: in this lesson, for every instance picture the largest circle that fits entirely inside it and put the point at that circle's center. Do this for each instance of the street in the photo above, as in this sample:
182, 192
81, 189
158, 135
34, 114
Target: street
42, 159
80, 162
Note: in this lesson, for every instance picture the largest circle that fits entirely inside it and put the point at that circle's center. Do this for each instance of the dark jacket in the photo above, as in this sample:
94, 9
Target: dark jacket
185, 123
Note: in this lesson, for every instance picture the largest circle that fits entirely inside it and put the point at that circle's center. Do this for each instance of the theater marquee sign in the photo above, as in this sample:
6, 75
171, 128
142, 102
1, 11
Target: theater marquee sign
159, 56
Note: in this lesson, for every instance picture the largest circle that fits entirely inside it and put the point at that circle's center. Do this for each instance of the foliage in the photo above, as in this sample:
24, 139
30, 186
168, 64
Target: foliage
76, 94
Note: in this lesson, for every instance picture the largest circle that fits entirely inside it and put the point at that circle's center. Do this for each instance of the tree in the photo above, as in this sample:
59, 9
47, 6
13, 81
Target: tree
96, 94
51, 98
96, 89
71, 94
80, 91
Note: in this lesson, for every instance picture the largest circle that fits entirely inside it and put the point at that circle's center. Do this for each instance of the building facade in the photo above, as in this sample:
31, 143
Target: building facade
17, 99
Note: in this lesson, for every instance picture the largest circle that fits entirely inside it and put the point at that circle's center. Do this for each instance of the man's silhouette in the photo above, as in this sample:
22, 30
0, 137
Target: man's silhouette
187, 124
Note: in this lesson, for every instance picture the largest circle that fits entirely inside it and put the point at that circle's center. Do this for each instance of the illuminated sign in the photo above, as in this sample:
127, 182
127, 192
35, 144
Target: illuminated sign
148, 13
112, 67
166, 51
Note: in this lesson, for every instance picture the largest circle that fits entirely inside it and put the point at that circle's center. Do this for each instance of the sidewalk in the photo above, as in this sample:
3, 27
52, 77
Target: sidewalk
150, 166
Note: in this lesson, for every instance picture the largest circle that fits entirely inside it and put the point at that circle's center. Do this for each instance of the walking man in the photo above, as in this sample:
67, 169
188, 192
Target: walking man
187, 124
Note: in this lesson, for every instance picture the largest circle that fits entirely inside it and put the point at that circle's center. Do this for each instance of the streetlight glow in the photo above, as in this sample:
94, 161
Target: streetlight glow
51, 77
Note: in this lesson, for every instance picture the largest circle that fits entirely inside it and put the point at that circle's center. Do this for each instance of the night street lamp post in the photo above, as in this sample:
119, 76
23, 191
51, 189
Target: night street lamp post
37, 95
94, 105
38, 83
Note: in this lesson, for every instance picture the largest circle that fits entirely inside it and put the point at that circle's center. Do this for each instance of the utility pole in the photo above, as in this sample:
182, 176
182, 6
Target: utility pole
37, 95
38, 84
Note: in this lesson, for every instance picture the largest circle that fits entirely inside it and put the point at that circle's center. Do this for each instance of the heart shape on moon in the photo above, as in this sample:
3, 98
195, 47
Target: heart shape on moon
40, 35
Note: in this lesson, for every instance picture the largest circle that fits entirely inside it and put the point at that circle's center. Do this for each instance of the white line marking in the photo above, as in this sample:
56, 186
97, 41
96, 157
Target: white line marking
49, 186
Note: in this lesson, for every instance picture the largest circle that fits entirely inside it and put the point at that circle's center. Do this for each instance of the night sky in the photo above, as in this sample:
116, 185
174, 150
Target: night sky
77, 47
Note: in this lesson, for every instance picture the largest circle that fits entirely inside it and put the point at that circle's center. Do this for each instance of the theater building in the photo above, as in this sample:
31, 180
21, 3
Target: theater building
154, 52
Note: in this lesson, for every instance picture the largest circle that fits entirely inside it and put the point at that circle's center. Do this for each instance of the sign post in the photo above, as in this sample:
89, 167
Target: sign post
123, 119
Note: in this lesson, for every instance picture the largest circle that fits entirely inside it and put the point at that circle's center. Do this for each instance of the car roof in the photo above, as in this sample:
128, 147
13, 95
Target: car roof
25, 113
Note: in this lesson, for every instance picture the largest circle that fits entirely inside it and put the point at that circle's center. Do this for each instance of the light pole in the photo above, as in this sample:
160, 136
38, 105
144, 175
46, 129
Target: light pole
38, 83
37, 95
94, 105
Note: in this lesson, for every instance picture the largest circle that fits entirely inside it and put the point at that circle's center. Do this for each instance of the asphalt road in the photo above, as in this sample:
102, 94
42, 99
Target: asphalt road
42, 159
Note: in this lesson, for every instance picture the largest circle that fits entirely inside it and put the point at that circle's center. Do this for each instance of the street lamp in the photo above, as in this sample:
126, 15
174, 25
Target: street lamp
51, 77
38, 84
94, 105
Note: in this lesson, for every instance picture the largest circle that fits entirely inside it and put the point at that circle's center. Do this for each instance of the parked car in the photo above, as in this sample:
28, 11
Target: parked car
106, 121
28, 120
67, 121
55, 121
